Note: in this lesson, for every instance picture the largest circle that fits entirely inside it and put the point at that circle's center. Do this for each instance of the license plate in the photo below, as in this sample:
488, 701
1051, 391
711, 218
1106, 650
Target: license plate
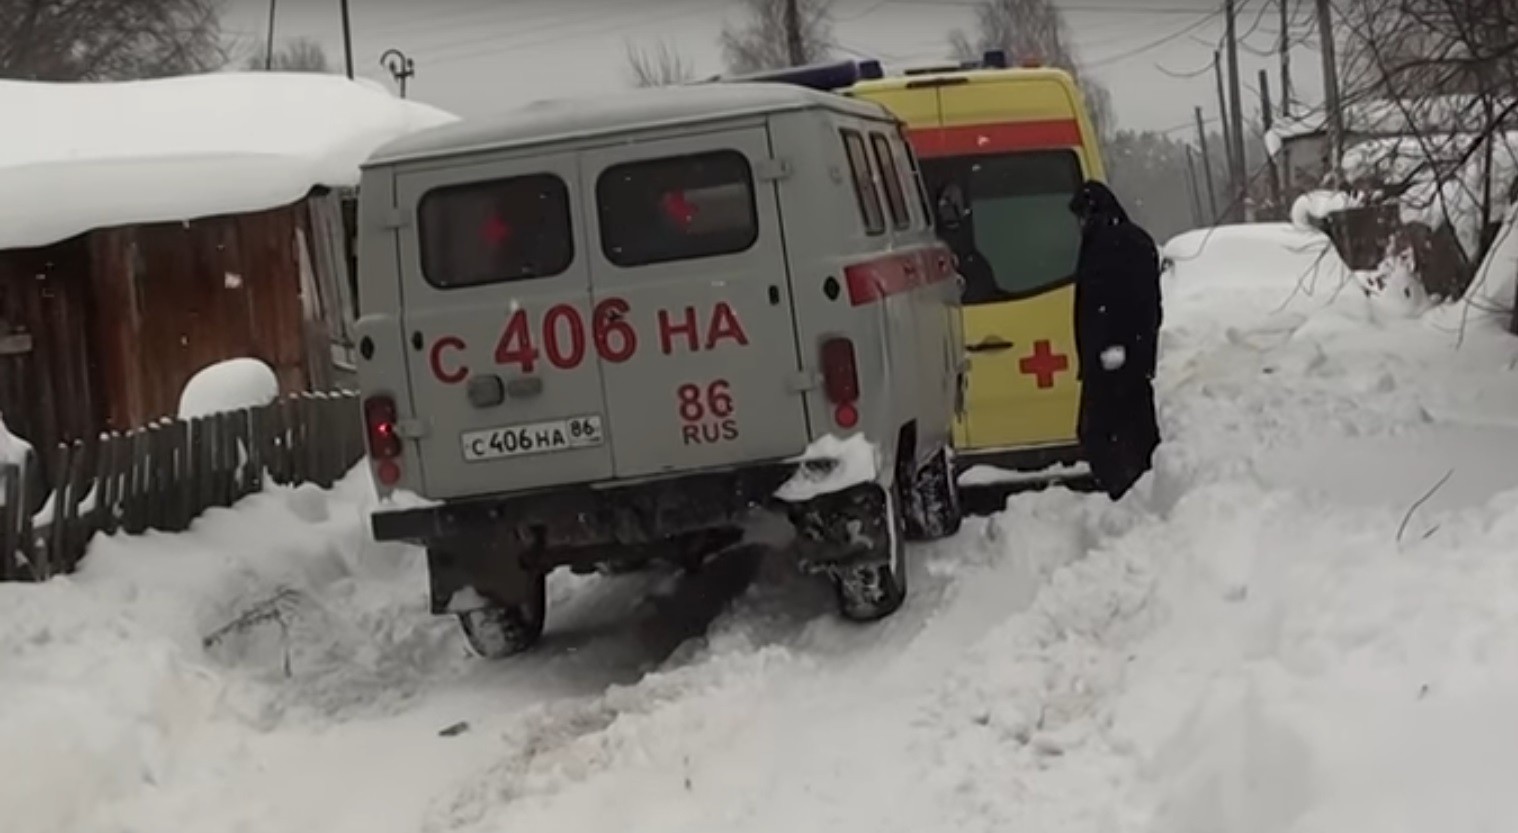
533, 438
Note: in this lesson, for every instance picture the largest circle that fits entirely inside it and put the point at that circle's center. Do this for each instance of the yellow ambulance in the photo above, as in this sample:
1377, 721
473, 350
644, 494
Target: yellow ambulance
1002, 150
1012, 145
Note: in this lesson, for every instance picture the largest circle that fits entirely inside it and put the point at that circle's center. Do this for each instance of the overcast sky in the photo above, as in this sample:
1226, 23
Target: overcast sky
477, 56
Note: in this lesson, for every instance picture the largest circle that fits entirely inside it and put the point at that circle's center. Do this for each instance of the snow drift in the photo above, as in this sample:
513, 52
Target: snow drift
80, 156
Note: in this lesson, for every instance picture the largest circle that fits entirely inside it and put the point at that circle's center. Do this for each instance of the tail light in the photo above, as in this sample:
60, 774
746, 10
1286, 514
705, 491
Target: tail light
384, 442
840, 380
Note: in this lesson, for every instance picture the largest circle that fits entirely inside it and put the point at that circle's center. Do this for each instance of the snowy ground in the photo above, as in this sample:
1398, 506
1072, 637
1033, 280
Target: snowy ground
1263, 637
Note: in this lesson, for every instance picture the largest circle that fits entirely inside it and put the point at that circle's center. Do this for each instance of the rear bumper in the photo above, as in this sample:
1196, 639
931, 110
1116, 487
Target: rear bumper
588, 516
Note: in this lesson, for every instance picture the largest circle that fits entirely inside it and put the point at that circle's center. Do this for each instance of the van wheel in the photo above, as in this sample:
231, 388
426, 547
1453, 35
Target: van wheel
876, 588
933, 508
500, 631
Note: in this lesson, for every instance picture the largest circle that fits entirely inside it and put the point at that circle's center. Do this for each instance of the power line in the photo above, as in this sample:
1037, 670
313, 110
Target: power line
1188, 29
476, 47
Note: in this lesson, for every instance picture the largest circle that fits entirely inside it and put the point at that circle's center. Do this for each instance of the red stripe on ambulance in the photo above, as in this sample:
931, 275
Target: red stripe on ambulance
1005, 137
875, 280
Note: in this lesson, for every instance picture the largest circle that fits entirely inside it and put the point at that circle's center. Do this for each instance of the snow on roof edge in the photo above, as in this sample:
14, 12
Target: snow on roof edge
115, 154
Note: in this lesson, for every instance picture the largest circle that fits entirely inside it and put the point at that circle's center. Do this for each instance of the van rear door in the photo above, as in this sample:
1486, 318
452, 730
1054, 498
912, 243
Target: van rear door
498, 316
687, 257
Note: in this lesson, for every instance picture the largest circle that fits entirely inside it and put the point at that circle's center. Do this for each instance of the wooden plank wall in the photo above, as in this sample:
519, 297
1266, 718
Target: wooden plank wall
186, 295
48, 389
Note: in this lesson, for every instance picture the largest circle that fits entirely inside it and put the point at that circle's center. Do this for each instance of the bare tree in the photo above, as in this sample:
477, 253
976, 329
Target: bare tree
1430, 97
296, 55
760, 42
87, 40
1031, 29
663, 66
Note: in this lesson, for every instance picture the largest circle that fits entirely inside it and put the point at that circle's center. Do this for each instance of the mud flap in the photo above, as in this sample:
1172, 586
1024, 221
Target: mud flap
844, 529
465, 577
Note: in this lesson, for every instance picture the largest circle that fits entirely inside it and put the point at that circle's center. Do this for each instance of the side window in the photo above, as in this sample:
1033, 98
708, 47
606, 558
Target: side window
864, 183
917, 181
890, 175
496, 231
677, 208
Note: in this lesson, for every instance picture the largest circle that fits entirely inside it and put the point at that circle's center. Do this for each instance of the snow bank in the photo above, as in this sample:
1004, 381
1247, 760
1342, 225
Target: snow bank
232, 385
162, 644
101, 155
831, 465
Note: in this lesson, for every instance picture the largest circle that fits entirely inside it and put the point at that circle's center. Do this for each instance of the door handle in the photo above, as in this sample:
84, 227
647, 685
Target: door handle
994, 344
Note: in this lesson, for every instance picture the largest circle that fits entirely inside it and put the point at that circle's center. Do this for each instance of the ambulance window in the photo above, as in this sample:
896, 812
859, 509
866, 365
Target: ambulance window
885, 160
495, 231
1021, 238
917, 183
677, 208
864, 183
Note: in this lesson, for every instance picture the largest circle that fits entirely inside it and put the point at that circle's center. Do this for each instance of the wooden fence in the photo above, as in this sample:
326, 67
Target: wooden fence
165, 475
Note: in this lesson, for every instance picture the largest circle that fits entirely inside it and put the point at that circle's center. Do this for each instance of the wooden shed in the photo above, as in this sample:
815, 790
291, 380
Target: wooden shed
149, 229
102, 330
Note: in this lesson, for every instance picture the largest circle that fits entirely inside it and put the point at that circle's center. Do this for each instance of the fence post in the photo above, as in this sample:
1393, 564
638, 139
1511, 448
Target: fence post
10, 520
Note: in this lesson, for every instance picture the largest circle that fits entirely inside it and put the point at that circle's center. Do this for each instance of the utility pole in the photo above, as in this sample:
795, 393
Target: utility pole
1269, 120
1193, 188
348, 41
794, 47
1331, 87
1217, 73
269, 46
1212, 194
1236, 114
1285, 58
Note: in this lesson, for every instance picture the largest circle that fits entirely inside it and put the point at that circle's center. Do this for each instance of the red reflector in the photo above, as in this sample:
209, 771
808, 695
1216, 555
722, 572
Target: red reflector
840, 376
846, 415
388, 473
379, 419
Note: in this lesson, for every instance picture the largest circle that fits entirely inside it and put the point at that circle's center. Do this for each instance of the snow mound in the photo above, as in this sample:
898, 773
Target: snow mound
232, 385
97, 155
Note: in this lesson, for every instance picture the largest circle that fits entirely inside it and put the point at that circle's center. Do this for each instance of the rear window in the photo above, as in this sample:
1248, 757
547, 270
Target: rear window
495, 231
864, 183
1021, 238
896, 196
677, 208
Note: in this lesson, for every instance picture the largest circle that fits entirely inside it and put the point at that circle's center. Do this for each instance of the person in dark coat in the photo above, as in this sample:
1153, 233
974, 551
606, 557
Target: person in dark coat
1117, 324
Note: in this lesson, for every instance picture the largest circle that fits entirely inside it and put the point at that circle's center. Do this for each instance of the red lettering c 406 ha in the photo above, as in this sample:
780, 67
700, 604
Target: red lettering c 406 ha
562, 338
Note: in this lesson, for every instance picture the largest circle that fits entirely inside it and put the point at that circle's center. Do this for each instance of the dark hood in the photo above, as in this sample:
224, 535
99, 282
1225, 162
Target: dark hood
1096, 202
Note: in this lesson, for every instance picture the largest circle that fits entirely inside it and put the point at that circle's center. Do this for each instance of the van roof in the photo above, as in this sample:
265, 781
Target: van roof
971, 76
564, 120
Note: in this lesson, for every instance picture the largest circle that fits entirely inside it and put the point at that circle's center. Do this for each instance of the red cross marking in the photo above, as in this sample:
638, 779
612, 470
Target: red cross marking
1043, 363
495, 231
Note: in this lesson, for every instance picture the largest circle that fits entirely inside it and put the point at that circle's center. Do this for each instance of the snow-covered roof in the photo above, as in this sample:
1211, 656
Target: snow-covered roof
75, 157
564, 119
1388, 117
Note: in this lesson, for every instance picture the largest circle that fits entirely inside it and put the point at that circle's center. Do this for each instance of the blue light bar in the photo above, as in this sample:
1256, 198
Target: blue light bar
994, 59
827, 77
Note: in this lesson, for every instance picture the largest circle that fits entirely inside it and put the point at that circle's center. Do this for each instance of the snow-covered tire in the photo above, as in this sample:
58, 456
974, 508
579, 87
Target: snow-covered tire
933, 510
500, 631
875, 588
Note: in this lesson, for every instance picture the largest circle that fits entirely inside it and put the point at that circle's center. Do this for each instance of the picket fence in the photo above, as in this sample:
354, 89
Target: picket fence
165, 475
